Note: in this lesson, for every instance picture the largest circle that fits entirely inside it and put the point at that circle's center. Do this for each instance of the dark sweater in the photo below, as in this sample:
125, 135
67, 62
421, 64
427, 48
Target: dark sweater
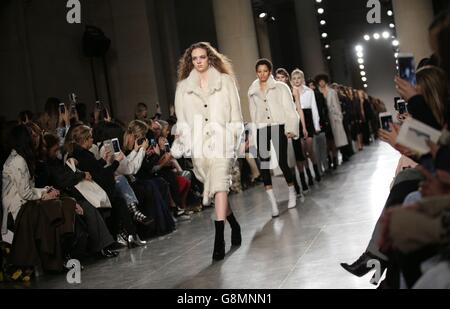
420, 111
103, 176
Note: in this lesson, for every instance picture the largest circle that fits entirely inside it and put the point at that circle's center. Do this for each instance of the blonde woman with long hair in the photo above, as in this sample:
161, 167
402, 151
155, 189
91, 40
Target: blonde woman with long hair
209, 130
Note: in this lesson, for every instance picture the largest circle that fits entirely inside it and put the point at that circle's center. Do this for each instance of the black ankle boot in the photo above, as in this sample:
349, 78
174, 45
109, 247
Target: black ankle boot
335, 163
219, 241
236, 238
304, 184
316, 171
360, 267
310, 177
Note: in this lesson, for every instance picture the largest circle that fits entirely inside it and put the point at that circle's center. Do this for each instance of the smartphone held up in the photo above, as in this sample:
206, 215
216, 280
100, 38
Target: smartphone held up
407, 68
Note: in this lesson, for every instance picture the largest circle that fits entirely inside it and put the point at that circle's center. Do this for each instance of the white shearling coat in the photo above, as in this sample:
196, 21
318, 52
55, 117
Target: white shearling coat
274, 107
209, 128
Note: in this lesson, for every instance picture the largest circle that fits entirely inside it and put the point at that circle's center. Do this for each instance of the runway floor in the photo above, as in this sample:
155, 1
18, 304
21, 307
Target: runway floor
300, 250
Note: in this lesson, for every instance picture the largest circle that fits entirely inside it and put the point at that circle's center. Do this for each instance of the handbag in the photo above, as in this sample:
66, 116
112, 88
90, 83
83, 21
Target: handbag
91, 191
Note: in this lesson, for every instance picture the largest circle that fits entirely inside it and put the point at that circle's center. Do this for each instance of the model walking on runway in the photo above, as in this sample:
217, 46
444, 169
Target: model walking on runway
273, 111
209, 130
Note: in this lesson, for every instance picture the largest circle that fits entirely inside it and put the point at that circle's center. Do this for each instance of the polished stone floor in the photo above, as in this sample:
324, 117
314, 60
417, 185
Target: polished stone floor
300, 250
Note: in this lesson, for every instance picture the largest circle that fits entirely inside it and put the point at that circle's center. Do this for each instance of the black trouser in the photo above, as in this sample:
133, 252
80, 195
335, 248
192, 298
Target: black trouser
277, 135
99, 236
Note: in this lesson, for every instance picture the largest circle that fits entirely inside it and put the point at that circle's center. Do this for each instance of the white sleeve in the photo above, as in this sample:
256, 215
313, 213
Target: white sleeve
290, 110
315, 111
21, 178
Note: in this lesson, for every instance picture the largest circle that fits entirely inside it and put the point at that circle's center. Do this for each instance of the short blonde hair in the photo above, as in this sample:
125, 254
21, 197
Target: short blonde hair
298, 72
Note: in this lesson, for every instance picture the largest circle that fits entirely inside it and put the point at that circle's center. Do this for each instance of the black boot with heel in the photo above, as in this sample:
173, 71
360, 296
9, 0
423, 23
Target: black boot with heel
236, 238
219, 241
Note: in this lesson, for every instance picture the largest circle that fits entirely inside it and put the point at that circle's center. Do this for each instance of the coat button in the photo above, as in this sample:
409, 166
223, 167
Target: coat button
206, 105
268, 118
265, 101
206, 119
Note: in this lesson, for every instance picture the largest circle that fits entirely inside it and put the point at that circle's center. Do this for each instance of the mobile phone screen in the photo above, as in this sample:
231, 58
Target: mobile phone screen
386, 122
407, 68
116, 146
402, 108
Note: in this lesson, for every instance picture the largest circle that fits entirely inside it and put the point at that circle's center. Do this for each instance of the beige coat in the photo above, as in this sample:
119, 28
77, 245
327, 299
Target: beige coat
209, 128
336, 118
275, 106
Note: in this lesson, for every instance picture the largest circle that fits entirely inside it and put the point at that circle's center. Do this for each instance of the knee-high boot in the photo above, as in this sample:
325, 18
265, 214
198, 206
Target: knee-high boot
219, 241
236, 238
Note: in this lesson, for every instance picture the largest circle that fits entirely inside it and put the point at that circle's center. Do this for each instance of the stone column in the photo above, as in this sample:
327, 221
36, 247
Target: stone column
309, 36
412, 18
236, 37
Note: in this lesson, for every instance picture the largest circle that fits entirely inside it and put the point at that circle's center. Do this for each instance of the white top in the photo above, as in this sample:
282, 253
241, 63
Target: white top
308, 101
273, 107
17, 187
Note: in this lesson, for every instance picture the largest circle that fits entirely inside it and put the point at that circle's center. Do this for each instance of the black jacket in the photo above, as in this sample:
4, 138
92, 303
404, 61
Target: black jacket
103, 176
420, 111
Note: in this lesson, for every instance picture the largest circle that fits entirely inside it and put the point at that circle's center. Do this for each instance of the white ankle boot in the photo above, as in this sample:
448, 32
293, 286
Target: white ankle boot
273, 201
292, 198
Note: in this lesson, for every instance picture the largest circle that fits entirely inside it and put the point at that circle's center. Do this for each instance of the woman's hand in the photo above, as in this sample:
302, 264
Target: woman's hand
305, 134
389, 137
120, 157
51, 194
79, 211
290, 135
405, 89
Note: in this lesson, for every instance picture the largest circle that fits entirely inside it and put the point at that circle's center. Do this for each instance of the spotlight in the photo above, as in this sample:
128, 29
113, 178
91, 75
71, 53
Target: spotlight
392, 26
362, 67
395, 43
324, 35
376, 36
329, 58
323, 22
263, 15
390, 13
327, 46
320, 11
367, 37
386, 35
365, 86
319, 1
360, 54
364, 79
363, 73
361, 61
359, 49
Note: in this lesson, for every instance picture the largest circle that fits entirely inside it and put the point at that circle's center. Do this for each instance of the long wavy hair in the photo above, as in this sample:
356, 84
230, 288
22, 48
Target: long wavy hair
20, 139
220, 62
433, 85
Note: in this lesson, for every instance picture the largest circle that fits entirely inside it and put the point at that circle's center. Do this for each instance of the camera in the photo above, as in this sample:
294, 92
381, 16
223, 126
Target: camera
141, 141
73, 98
73, 109
167, 147
153, 142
